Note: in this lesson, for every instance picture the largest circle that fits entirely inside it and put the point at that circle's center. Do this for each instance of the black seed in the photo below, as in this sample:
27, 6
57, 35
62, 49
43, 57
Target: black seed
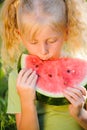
50, 75
68, 71
37, 66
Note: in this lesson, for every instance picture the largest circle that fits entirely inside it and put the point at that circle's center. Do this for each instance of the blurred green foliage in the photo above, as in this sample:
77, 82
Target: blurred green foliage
7, 121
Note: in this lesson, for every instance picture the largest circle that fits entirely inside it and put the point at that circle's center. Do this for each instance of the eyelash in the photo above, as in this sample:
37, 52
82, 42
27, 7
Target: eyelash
48, 41
52, 41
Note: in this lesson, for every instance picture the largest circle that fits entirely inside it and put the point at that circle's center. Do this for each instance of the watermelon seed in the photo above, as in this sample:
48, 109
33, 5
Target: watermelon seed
38, 75
68, 71
65, 83
37, 66
50, 75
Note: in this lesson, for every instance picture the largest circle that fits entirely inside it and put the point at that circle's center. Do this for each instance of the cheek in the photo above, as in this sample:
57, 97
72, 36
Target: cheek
58, 45
32, 49
57, 48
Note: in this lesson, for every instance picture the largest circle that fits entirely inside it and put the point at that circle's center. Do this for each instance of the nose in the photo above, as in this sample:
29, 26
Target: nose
44, 48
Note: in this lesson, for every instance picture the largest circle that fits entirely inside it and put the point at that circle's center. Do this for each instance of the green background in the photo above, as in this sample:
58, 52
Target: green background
7, 121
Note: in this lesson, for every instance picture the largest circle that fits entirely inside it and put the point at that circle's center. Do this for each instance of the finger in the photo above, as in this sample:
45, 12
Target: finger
75, 94
78, 90
74, 99
31, 77
69, 98
82, 89
26, 75
71, 94
33, 83
21, 73
75, 91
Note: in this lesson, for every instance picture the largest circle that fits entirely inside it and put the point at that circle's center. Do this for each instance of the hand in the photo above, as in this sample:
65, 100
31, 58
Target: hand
77, 98
26, 84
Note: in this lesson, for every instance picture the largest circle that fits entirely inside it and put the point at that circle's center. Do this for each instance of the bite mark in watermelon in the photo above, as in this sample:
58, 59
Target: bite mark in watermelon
56, 75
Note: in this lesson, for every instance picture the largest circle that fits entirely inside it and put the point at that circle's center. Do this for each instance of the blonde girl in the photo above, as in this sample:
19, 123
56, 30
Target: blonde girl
48, 29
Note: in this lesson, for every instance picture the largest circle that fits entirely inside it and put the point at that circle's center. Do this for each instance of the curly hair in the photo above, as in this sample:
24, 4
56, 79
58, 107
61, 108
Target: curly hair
77, 28
10, 38
74, 18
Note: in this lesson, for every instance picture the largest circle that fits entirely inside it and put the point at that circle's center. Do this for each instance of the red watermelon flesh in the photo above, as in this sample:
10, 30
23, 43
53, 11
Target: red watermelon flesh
74, 72
56, 75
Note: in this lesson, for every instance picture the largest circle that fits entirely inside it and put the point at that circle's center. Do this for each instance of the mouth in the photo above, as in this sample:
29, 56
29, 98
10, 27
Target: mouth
47, 58
43, 58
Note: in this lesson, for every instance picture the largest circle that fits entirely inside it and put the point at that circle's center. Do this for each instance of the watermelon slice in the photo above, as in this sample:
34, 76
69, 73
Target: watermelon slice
55, 75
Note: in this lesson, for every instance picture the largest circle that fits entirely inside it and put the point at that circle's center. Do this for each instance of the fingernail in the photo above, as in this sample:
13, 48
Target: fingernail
34, 71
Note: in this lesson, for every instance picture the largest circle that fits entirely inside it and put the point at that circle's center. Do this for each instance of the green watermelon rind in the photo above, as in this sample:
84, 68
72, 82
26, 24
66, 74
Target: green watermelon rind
84, 82
43, 96
21, 64
51, 100
59, 95
22, 60
54, 95
37, 88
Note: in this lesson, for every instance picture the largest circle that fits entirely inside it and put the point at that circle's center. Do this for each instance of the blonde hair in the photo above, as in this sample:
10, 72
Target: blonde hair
74, 17
10, 38
77, 28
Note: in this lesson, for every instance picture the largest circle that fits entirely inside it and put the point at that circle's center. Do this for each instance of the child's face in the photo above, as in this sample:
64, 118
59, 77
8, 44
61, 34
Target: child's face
46, 44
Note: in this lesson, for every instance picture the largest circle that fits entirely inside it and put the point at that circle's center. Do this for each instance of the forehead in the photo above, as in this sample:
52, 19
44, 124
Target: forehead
45, 32
32, 26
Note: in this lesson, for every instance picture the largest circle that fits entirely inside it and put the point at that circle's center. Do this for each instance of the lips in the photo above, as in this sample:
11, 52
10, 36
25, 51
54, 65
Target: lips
47, 58
44, 58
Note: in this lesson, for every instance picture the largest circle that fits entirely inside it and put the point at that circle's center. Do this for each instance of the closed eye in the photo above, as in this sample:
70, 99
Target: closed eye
52, 40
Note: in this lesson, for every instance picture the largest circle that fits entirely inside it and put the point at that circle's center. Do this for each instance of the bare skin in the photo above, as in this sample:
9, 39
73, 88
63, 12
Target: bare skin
77, 97
26, 90
47, 45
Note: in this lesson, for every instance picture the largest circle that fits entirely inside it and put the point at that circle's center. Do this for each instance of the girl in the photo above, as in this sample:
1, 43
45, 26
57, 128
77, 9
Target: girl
43, 26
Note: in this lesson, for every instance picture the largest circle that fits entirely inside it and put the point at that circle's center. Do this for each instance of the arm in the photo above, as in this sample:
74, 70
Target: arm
27, 119
82, 118
77, 97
